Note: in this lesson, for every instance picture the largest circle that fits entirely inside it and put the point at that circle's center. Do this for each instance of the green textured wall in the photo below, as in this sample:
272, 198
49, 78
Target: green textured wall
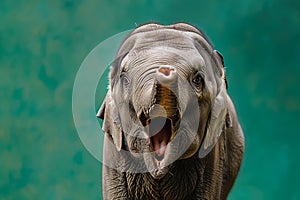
42, 44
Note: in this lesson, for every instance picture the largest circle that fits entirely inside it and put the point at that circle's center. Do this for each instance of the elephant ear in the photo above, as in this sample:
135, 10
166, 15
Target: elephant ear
217, 115
111, 123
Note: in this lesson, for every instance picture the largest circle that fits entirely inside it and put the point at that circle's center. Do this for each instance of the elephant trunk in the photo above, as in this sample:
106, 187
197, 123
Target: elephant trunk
166, 89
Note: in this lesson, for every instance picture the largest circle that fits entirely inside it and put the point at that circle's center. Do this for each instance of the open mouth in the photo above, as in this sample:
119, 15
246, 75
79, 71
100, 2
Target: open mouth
161, 131
161, 120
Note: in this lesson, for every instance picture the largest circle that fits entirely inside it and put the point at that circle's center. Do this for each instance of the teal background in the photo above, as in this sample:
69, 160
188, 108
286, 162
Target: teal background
42, 44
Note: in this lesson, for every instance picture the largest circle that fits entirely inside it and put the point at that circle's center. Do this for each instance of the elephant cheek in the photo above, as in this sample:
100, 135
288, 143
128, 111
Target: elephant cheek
193, 148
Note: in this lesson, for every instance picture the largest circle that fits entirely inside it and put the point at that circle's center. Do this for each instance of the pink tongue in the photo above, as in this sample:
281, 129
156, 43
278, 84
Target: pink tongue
160, 130
159, 142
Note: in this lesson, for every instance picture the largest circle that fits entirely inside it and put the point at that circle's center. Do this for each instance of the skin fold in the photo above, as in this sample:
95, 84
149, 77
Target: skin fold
171, 130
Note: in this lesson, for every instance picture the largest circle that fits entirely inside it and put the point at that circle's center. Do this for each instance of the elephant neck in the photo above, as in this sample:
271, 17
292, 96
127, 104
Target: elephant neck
179, 183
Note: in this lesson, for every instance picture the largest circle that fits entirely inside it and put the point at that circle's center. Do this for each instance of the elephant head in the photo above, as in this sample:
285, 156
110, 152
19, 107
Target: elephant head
167, 96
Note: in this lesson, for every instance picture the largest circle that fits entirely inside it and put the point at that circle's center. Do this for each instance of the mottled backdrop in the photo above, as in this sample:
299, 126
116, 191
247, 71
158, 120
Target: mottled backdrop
42, 44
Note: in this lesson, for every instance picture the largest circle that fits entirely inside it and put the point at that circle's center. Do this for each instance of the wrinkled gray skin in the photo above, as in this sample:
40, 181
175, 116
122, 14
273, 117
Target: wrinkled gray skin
201, 158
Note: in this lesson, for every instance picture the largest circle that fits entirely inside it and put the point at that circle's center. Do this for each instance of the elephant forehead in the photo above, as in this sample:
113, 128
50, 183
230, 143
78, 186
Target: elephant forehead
184, 60
159, 37
171, 38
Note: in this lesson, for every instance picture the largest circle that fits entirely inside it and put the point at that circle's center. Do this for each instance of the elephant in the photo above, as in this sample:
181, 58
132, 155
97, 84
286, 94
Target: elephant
171, 129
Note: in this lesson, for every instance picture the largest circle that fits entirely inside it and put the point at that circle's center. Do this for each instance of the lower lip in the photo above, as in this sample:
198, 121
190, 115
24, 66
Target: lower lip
158, 163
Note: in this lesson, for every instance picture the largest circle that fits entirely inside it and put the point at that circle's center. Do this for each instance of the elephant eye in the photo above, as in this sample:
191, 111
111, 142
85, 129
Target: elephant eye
197, 80
124, 78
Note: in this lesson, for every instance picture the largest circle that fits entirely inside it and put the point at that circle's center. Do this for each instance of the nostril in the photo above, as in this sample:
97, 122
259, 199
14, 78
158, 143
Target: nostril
165, 70
166, 75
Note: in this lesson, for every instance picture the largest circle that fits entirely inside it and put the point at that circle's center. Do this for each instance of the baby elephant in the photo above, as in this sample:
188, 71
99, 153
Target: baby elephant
171, 130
